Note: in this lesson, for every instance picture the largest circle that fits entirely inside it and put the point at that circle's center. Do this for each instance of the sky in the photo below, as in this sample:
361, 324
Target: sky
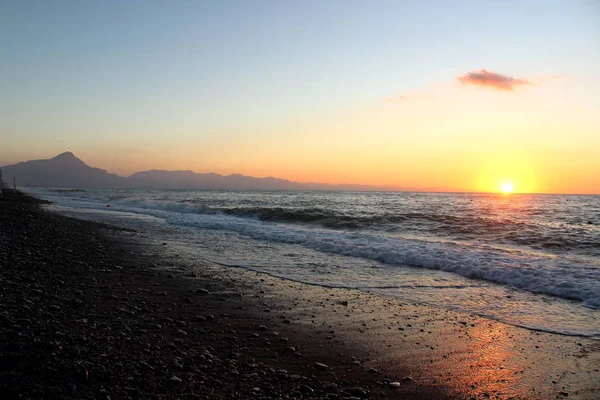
431, 95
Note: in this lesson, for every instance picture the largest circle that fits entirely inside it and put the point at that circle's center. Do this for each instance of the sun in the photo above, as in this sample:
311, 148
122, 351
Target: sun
507, 187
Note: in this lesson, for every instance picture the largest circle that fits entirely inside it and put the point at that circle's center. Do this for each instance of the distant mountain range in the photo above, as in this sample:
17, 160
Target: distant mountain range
68, 171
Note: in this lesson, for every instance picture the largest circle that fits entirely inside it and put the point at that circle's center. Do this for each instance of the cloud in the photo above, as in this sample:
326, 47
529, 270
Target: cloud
396, 99
492, 80
410, 97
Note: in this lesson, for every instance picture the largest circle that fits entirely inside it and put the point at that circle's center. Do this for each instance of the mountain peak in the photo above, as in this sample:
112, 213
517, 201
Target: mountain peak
64, 156
68, 159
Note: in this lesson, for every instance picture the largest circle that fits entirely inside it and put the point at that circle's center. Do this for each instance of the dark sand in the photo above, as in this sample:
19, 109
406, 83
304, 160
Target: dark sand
91, 311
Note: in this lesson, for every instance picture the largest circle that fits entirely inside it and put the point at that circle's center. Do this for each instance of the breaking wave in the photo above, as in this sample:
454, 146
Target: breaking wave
549, 275
497, 230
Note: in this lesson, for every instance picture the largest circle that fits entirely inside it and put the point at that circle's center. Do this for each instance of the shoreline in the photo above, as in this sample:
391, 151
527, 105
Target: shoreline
161, 315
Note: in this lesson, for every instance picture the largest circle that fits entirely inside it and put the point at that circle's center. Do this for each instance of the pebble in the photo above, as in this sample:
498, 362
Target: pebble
145, 364
358, 391
321, 366
306, 389
174, 380
394, 385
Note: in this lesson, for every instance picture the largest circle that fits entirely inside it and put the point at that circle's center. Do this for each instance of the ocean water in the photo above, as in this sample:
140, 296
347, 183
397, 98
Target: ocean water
527, 260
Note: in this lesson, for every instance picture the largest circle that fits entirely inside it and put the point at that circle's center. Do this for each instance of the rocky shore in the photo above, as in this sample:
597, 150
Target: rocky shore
87, 314
91, 311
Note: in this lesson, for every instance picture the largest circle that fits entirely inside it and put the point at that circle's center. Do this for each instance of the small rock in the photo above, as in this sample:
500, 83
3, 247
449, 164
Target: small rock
174, 380
394, 385
358, 391
306, 389
321, 366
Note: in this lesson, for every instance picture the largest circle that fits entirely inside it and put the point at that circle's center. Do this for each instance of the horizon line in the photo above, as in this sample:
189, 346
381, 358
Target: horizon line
393, 188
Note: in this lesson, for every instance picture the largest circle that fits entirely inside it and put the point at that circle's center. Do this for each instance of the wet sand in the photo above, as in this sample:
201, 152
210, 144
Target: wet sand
91, 311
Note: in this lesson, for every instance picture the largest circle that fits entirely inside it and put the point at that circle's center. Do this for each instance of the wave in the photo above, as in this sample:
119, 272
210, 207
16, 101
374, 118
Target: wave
492, 230
552, 274
548, 275
67, 190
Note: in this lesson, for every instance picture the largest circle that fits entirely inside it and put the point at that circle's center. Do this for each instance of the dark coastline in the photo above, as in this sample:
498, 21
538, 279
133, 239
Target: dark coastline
87, 315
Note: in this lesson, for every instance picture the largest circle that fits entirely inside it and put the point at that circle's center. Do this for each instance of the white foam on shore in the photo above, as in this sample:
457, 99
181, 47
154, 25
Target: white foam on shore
534, 272
550, 275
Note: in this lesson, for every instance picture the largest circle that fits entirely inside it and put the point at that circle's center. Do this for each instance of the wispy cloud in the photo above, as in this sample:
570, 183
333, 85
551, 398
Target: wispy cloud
492, 80
410, 97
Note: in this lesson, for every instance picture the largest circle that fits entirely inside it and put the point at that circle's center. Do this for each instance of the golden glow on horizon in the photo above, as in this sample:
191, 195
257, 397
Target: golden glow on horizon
507, 187
506, 173
447, 139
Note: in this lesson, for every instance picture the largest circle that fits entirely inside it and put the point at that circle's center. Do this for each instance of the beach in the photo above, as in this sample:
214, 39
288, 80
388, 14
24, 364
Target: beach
96, 311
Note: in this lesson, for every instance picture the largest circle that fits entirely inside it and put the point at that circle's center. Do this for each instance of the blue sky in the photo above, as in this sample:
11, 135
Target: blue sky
287, 56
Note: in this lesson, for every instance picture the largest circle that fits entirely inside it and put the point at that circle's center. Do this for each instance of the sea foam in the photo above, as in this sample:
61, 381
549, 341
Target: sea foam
552, 275
536, 272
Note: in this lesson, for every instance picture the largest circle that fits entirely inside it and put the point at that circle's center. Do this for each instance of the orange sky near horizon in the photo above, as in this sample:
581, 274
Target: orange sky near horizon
459, 139
454, 139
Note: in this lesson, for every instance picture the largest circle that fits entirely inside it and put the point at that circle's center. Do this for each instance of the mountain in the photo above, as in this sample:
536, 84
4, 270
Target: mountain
66, 170
157, 179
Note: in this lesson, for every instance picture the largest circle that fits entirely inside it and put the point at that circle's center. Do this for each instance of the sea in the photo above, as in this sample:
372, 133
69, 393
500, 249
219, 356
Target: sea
527, 260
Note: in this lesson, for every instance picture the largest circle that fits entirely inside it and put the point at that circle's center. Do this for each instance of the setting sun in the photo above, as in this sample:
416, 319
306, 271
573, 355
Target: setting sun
507, 187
